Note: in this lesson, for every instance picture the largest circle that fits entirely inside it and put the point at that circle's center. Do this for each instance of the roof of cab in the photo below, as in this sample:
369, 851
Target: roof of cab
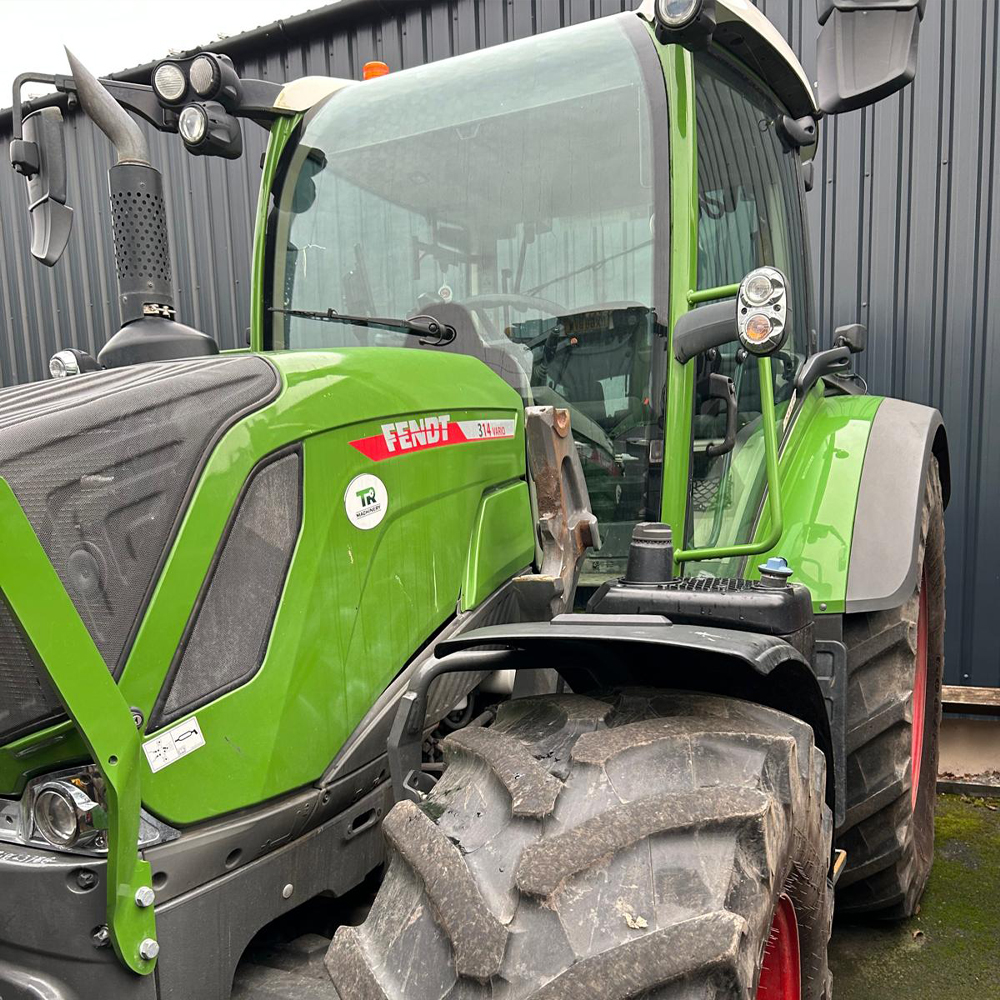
740, 28
748, 35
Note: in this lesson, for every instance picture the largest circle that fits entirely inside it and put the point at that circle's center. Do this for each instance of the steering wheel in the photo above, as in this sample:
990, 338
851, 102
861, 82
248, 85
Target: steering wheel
479, 304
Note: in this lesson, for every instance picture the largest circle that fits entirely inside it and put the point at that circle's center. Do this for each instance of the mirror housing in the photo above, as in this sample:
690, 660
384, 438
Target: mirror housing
853, 336
867, 50
40, 156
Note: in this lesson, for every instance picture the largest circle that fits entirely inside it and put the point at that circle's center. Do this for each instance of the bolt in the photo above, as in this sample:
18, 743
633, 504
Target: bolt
144, 896
286, 893
86, 880
148, 949
101, 937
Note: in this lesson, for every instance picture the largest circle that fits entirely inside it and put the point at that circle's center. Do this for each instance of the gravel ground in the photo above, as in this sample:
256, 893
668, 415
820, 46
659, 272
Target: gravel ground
951, 949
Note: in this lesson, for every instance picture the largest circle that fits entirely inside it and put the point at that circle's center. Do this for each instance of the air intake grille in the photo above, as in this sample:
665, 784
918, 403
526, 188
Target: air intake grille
228, 632
102, 465
25, 696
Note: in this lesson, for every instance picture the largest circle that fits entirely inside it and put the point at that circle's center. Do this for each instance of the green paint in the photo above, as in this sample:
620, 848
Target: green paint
678, 72
356, 604
819, 475
34, 754
67, 653
949, 950
503, 542
712, 294
281, 130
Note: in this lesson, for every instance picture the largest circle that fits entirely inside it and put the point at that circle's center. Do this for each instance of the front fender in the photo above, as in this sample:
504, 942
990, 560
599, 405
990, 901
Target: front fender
885, 549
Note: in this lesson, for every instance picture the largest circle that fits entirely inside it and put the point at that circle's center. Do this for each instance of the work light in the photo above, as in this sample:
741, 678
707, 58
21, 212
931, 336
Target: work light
169, 82
677, 13
193, 124
689, 22
209, 130
214, 78
762, 311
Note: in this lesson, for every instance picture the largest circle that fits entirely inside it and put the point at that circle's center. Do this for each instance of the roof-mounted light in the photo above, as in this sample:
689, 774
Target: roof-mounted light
689, 22
374, 69
169, 82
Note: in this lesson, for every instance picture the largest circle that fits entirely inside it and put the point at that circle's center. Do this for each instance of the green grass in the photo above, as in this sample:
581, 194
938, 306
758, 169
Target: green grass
951, 949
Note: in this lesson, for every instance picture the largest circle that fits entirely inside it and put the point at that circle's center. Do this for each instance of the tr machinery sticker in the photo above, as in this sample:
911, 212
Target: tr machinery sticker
366, 500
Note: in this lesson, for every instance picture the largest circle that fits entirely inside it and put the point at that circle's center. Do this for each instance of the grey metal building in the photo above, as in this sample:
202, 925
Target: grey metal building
904, 214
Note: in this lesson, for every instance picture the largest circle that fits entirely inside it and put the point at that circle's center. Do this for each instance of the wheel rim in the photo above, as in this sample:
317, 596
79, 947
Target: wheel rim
919, 696
780, 977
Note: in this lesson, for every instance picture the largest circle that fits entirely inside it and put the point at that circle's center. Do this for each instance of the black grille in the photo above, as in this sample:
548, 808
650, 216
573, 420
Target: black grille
25, 695
102, 465
228, 632
722, 585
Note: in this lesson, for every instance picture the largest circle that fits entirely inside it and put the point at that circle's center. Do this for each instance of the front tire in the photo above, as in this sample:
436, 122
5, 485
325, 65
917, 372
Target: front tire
647, 845
895, 668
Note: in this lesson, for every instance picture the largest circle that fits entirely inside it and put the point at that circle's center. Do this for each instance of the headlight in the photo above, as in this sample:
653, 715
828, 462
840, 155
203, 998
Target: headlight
67, 811
62, 364
65, 815
169, 82
676, 14
71, 361
192, 124
204, 76
762, 311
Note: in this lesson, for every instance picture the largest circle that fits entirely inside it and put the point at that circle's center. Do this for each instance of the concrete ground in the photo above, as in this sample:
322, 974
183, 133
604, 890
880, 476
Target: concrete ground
951, 949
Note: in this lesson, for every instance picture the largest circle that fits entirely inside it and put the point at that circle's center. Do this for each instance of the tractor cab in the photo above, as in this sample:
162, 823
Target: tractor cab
519, 195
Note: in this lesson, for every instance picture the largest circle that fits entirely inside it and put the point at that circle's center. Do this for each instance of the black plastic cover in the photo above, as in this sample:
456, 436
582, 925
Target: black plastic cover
741, 604
103, 465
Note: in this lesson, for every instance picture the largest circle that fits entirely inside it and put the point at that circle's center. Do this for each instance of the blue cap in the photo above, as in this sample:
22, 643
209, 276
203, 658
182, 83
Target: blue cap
775, 566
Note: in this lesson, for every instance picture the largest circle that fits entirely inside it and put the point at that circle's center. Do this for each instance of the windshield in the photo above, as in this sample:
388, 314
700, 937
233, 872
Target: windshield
510, 195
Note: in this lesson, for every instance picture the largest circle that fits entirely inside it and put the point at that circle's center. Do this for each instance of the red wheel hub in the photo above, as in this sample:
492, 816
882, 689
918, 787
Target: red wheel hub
780, 975
919, 696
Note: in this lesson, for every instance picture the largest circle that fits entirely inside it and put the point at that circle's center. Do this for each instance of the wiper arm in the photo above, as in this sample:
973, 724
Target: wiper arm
418, 326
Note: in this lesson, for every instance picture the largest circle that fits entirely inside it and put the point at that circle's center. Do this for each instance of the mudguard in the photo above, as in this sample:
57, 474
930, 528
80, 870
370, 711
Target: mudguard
884, 549
602, 651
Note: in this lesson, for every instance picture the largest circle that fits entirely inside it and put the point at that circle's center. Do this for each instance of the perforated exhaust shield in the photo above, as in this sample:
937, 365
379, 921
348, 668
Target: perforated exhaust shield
103, 465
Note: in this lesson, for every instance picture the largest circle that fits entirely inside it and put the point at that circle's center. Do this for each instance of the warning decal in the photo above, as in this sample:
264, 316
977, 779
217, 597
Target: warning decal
418, 434
175, 743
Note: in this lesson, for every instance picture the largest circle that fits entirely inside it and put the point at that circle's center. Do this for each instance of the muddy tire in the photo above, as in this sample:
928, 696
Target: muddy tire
893, 717
646, 844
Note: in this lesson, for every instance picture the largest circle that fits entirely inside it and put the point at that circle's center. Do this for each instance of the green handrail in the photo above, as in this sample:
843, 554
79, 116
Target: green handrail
65, 650
773, 495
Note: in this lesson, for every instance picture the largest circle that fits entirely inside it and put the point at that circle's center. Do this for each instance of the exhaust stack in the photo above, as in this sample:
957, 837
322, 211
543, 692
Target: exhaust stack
149, 331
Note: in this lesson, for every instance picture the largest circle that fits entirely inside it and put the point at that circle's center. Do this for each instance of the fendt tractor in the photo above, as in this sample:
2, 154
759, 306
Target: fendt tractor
328, 621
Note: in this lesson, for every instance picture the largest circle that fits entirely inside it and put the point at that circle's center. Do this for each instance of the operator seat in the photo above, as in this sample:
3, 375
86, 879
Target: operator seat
502, 357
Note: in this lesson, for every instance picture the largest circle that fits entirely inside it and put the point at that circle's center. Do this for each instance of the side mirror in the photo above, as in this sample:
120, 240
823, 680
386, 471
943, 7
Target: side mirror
40, 156
867, 50
854, 337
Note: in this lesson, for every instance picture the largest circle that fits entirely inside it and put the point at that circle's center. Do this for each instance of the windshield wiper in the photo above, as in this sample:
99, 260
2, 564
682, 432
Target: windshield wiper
417, 326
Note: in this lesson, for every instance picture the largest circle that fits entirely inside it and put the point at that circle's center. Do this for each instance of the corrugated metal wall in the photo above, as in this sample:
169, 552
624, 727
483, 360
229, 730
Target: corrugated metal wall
903, 215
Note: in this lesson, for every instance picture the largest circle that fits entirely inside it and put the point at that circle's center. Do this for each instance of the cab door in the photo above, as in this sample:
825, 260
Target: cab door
750, 213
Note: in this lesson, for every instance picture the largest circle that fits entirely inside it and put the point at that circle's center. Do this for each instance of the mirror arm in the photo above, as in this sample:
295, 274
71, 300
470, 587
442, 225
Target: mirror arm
831, 362
703, 328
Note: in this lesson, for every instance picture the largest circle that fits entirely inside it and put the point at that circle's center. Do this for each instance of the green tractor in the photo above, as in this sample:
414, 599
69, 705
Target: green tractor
332, 613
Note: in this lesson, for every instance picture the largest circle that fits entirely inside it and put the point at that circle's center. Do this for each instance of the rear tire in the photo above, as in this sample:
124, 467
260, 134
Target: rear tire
888, 830
580, 849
